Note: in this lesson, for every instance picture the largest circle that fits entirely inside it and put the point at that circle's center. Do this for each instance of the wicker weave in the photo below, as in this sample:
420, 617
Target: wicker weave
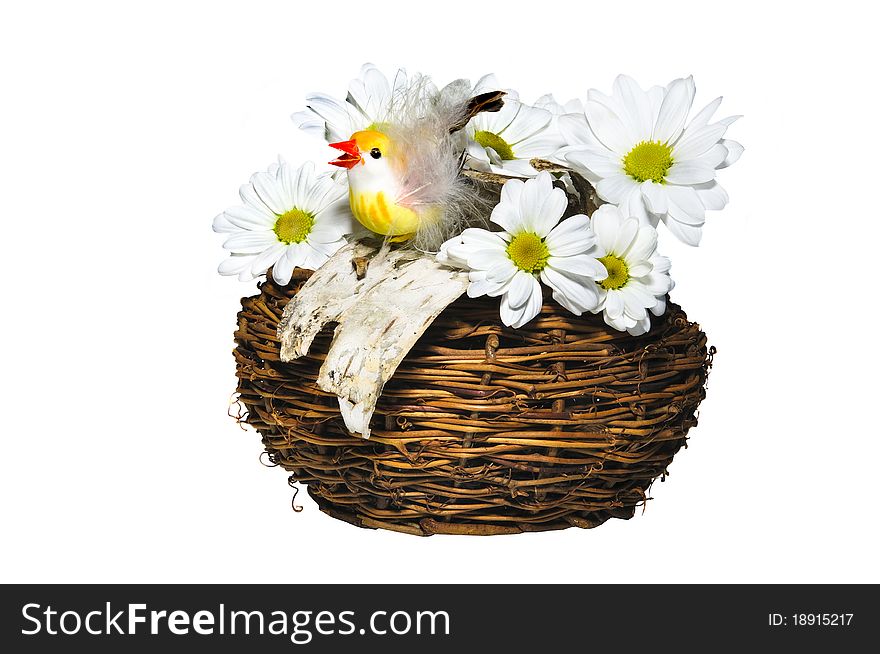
483, 429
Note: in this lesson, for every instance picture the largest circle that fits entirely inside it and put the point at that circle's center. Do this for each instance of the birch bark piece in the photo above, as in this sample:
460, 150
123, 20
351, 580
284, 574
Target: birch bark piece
380, 318
328, 293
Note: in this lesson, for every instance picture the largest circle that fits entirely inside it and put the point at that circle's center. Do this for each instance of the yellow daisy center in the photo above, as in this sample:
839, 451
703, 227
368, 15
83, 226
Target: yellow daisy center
528, 252
492, 140
293, 226
648, 160
618, 273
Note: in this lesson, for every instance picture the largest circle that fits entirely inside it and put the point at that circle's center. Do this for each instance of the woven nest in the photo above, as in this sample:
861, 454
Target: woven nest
483, 429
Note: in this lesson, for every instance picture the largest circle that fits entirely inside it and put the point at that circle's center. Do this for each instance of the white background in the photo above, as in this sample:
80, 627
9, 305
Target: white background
126, 128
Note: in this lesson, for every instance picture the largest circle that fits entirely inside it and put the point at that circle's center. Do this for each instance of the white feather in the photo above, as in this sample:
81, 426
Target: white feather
418, 120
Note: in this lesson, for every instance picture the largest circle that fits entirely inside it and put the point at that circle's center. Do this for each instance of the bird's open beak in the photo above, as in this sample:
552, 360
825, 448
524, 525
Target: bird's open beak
351, 154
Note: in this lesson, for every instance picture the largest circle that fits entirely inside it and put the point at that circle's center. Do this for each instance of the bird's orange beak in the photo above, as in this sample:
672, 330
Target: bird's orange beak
351, 154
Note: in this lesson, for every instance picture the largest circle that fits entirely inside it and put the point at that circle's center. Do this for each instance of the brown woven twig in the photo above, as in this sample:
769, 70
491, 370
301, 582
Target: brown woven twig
483, 429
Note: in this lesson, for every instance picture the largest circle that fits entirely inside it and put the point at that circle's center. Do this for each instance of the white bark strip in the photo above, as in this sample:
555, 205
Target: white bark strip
380, 318
324, 297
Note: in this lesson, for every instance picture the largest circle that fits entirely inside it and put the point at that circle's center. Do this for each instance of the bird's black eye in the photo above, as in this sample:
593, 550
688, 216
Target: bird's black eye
376, 153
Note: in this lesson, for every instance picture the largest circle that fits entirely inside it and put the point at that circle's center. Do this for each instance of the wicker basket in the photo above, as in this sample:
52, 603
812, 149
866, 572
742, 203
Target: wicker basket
483, 429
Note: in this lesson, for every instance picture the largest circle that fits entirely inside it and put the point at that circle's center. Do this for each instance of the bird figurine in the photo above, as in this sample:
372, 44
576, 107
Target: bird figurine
404, 173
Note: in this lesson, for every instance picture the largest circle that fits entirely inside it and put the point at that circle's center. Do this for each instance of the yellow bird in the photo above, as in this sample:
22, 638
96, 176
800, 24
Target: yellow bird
404, 174
377, 171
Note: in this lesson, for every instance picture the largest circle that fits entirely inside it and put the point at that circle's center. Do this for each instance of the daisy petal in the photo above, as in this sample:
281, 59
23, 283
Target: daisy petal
655, 197
688, 234
674, 110
502, 271
694, 142
301, 182
577, 225
269, 192
714, 157
509, 315
266, 259
529, 121
615, 188
581, 294
690, 172
221, 225
337, 215
661, 264
520, 289
555, 203
614, 304
324, 193
712, 195
608, 127
637, 293
633, 206
371, 92
565, 303
483, 238
341, 118
734, 151
660, 308
640, 269
511, 192
658, 283
632, 308
507, 215
642, 247
486, 83
602, 163
458, 252
235, 263
515, 167
704, 115
605, 222
582, 265
655, 97
539, 146
531, 202
641, 327
477, 156
283, 268
571, 236
324, 233
574, 130
313, 256
326, 249
309, 122
250, 242
685, 204
497, 121
246, 217
634, 101
626, 233
480, 286
536, 301
483, 258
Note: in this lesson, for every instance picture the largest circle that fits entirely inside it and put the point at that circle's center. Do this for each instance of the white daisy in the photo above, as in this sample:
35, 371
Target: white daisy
504, 141
534, 245
368, 102
638, 278
636, 149
289, 219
